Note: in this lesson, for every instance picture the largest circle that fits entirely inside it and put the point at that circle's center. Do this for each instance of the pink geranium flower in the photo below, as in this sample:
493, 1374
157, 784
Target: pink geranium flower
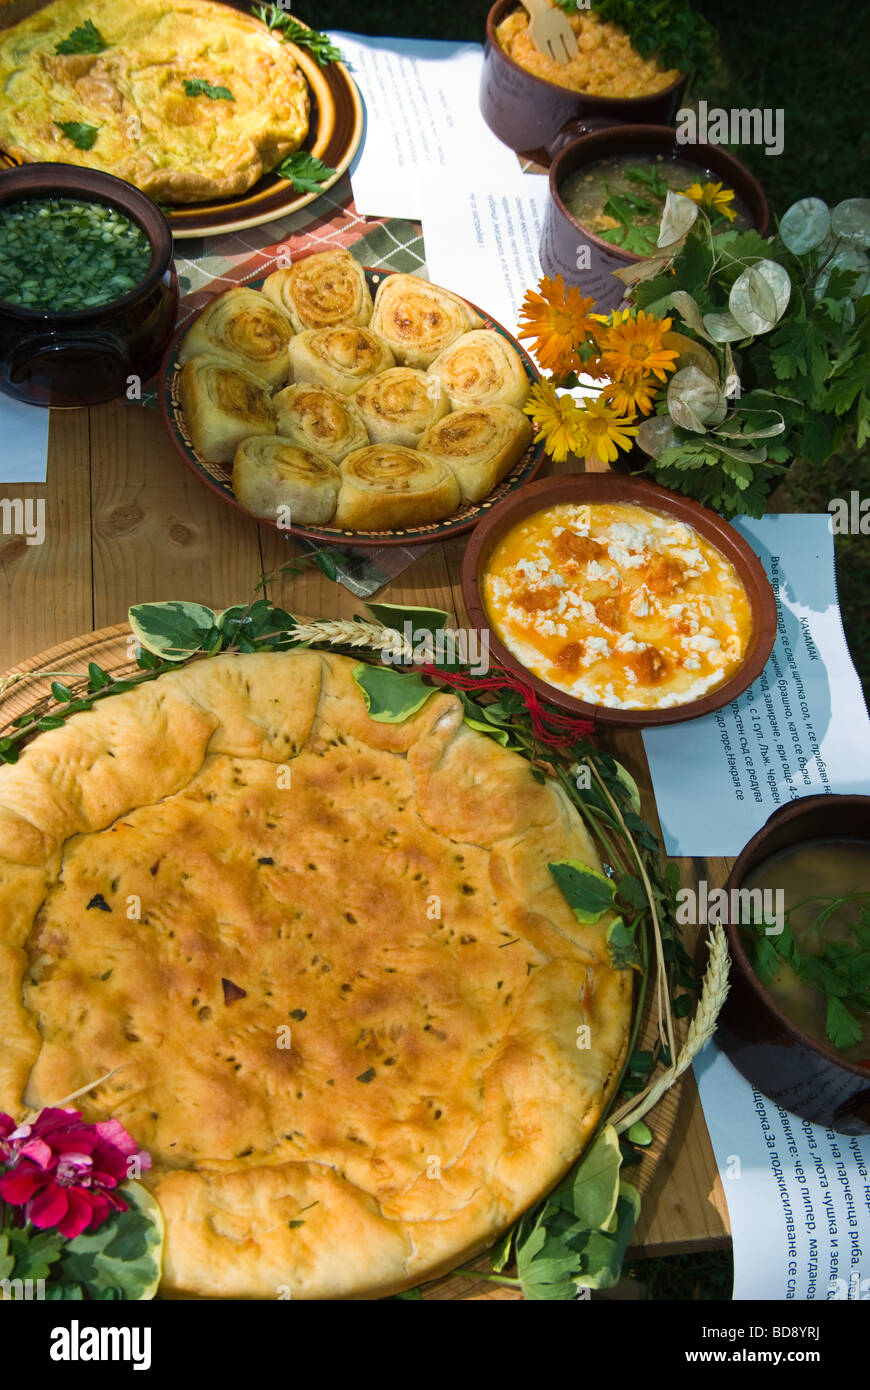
63, 1171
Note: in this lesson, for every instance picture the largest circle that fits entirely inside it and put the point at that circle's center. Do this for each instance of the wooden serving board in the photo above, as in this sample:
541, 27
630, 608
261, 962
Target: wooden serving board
110, 649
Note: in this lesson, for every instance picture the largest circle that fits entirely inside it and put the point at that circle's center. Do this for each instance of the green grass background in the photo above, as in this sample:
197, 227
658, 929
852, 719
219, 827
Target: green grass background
812, 59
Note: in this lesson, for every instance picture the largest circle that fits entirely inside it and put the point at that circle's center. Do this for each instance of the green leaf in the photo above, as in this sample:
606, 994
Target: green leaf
125, 1253
85, 39
31, 1252
590, 1192
61, 693
841, 1027
199, 87
391, 696
305, 171
321, 47
98, 679
500, 1254
624, 954
500, 735
604, 1252
587, 892
630, 786
172, 630
639, 1133
326, 564
80, 133
395, 615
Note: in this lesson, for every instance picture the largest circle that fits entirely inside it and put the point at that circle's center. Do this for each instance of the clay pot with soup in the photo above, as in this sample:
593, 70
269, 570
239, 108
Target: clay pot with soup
798, 1025
629, 168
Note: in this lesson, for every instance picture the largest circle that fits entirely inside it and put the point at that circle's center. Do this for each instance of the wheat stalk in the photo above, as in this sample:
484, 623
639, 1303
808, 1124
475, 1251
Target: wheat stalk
7, 682
342, 632
713, 993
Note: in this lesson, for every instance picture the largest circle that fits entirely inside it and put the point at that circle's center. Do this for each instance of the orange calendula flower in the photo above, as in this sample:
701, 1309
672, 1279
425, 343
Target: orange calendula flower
557, 319
559, 421
713, 196
606, 431
631, 396
634, 348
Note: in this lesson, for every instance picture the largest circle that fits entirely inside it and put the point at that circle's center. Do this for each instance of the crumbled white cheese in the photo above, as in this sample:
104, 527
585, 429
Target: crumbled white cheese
692, 663
639, 604
701, 643
629, 643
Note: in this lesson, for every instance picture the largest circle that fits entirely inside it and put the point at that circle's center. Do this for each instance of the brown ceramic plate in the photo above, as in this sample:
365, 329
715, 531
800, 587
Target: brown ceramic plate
218, 476
773, 1053
606, 487
334, 135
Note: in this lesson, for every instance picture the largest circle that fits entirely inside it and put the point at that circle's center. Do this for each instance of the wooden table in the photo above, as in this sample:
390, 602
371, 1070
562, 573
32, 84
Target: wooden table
127, 523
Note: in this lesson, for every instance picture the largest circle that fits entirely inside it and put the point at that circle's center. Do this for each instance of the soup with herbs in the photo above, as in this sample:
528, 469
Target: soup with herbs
817, 968
621, 198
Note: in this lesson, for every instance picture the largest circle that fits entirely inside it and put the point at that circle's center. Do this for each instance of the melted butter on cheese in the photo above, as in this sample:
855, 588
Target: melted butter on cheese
618, 605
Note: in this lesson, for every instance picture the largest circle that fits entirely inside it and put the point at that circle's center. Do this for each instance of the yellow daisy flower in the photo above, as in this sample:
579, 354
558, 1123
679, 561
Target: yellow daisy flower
713, 196
606, 431
559, 421
557, 318
631, 396
634, 348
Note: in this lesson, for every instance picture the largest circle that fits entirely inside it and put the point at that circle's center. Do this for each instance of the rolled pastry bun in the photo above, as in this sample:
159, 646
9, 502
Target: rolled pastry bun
387, 487
399, 405
322, 291
275, 480
222, 405
313, 417
247, 329
480, 444
419, 320
481, 368
342, 359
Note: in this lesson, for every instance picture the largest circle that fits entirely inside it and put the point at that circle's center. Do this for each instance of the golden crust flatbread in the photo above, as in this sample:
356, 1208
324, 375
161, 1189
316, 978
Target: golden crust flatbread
328, 956
179, 144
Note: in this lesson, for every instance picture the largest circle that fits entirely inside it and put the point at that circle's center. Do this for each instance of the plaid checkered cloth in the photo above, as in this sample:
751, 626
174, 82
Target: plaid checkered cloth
205, 267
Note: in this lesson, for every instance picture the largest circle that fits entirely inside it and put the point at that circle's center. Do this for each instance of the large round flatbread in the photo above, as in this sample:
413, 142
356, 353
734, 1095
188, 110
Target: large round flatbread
328, 956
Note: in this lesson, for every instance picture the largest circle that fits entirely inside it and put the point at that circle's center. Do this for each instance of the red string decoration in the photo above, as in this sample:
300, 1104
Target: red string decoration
553, 729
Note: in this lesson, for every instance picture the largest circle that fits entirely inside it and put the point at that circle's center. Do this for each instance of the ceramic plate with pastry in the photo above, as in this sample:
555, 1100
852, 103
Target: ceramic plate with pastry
377, 408
195, 102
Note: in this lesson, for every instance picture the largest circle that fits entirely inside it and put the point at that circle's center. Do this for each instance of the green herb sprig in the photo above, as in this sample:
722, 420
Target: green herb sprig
86, 39
840, 971
667, 29
79, 132
305, 171
319, 45
199, 87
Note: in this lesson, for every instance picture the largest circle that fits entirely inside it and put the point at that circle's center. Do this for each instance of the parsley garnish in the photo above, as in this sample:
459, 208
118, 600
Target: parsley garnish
321, 47
86, 39
840, 972
198, 87
305, 171
81, 134
670, 29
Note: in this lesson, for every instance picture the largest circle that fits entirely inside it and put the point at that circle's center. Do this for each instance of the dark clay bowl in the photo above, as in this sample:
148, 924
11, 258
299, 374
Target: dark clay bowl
84, 356
605, 487
563, 237
528, 113
776, 1056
